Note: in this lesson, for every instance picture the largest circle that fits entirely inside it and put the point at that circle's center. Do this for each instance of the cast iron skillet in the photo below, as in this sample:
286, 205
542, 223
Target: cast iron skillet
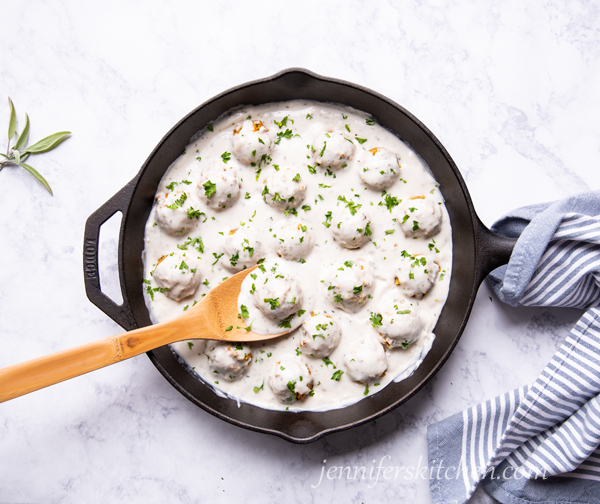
477, 251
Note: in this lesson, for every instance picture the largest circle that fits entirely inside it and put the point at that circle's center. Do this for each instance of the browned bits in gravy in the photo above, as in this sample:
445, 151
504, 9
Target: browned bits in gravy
258, 125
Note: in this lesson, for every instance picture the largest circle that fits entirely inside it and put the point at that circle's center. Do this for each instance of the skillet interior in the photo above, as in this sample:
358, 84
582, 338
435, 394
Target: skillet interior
287, 85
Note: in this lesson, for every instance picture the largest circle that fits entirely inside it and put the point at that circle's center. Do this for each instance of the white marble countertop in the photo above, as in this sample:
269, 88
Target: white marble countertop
510, 89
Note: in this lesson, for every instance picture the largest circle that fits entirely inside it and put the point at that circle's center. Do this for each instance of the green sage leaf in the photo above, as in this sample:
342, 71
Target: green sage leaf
22, 140
48, 143
35, 173
12, 123
17, 155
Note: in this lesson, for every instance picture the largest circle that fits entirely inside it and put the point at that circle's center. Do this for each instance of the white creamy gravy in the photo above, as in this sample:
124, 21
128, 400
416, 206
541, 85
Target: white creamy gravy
306, 120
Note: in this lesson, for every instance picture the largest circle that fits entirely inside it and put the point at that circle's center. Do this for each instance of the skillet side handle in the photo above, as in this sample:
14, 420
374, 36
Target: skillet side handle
121, 314
493, 250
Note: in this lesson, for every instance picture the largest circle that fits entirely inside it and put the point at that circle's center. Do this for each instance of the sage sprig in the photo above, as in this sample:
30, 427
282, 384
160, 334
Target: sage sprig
18, 154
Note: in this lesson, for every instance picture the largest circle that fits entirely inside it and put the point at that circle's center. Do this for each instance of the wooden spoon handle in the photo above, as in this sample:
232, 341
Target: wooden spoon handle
208, 320
20, 379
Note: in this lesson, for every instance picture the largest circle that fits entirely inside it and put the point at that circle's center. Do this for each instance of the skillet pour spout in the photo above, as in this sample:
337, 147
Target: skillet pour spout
481, 251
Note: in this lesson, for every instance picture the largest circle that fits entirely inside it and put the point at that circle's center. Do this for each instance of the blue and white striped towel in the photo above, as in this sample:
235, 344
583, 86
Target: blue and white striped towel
538, 443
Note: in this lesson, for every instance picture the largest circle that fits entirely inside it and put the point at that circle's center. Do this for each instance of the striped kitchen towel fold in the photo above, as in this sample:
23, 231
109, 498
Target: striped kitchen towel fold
538, 443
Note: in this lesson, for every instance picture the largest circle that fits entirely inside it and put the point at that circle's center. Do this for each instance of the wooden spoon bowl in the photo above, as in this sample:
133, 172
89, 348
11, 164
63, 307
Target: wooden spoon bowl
209, 319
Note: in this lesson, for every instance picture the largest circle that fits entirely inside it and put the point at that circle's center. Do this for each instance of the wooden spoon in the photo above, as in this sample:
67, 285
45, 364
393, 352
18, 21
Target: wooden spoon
209, 319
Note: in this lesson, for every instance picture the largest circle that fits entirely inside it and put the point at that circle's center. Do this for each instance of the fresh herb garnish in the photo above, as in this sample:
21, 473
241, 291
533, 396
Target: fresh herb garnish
323, 149
178, 202
433, 247
209, 188
350, 205
281, 123
18, 154
337, 375
286, 322
273, 302
287, 134
291, 385
375, 319
327, 362
390, 202
196, 242
151, 291
194, 213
